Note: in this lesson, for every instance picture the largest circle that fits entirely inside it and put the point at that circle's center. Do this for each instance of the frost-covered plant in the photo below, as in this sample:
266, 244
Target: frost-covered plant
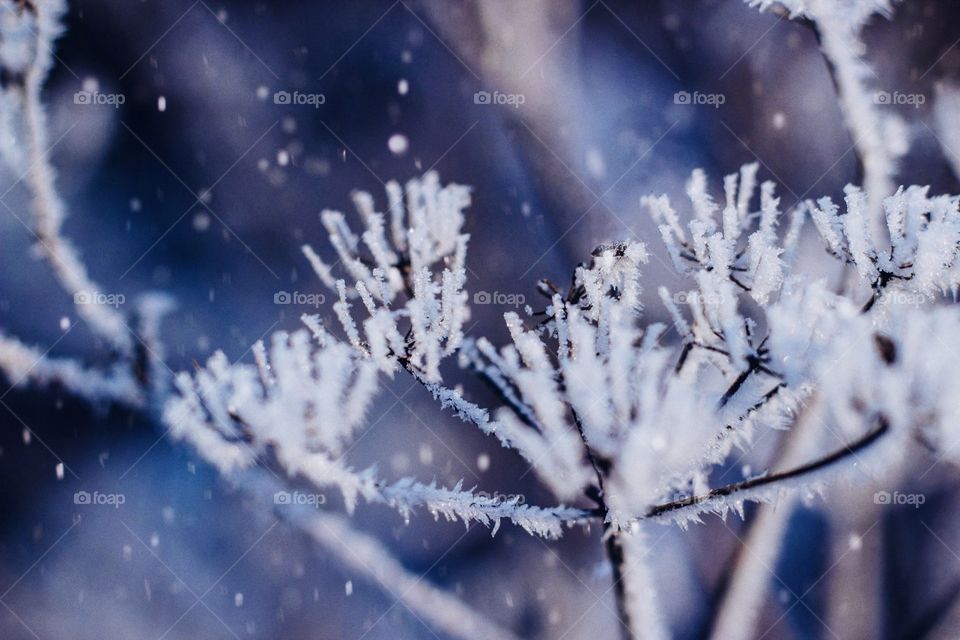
302, 402
601, 403
624, 419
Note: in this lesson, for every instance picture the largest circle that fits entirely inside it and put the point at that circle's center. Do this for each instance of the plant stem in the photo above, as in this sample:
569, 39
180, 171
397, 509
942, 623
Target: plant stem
612, 543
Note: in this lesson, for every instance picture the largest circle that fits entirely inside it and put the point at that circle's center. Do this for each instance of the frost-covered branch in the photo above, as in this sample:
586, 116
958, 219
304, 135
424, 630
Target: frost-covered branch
878, 136
423, 260
809, 323
301, 406
24, 365
27, 32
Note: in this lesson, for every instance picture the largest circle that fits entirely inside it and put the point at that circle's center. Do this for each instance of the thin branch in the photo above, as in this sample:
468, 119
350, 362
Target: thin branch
772, 479
23, 365
49, 210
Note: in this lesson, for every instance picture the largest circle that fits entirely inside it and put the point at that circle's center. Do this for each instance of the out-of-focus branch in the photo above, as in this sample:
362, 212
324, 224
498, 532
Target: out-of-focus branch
49, 210
366, 556
24, 365
877, 139
737, 613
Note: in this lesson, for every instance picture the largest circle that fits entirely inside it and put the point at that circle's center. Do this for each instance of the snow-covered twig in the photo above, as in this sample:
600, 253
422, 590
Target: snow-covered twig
878, 137
24, 365
35, 26
304, 414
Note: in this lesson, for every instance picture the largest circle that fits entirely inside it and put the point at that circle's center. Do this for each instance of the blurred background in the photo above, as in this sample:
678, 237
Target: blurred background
234, 123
